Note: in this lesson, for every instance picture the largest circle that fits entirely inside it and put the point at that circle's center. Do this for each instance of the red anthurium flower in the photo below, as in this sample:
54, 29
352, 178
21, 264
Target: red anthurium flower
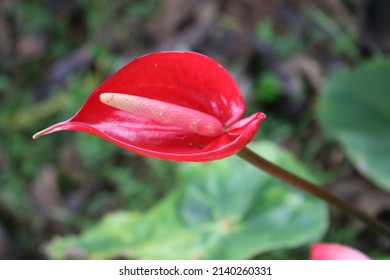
179, 106
331, 251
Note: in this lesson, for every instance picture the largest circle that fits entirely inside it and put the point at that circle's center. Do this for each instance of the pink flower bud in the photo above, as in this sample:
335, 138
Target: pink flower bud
332, 251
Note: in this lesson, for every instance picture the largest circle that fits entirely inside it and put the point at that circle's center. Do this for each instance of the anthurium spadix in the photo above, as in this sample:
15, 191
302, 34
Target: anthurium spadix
179, 106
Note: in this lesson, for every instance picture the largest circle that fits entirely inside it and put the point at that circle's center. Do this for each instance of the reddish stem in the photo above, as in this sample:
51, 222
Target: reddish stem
312, 189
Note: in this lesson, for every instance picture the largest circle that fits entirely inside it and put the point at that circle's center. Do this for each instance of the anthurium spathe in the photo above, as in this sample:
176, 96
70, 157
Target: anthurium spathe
179, 106
333, 251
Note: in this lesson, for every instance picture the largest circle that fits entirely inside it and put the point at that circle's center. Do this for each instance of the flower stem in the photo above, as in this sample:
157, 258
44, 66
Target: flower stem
312, 189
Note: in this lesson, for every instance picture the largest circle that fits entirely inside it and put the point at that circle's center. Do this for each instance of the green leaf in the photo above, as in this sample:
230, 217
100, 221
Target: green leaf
354, 109
224, 209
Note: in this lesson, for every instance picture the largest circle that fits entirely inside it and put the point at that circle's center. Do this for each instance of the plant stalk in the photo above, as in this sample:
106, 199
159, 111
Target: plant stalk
312, 189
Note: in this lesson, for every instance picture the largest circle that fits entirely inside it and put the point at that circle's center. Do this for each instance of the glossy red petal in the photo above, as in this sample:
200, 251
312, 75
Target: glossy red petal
332, 251
174, 144
182, 78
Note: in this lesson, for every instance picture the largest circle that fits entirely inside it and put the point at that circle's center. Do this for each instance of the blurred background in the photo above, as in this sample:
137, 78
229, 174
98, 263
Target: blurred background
284, 55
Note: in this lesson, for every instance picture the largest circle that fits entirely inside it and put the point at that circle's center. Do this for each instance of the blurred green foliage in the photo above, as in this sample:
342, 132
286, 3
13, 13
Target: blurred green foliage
267, 88
28, 103
282, 44
69, 183
354, 109
212, 213
340, 40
